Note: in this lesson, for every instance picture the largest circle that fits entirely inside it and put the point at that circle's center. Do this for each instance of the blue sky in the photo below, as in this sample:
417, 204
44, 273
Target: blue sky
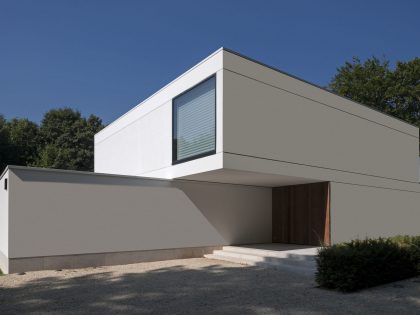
104, 57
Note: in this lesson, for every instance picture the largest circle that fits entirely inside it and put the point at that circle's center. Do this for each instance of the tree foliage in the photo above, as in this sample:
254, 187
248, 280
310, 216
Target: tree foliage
4, 143
373, 83
24, 137
64, 139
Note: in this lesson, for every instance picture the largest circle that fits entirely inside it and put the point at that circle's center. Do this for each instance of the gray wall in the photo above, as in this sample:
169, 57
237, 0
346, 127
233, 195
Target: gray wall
363, 211
269, 115
62, 213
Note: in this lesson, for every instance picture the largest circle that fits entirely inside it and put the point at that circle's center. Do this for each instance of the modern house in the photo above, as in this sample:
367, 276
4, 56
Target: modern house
231, 152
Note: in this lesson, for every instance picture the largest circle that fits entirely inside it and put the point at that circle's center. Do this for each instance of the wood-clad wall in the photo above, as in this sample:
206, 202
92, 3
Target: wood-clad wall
301, 214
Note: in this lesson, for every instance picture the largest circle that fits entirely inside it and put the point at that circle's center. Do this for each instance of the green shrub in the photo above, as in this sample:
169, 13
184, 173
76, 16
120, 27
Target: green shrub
412, 244
365, 263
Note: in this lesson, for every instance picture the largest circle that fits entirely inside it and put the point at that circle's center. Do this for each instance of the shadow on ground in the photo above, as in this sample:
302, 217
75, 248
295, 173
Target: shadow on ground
211, 288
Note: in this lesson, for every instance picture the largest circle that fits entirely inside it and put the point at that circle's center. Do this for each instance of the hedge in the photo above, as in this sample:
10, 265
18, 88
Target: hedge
365, 263
412, 244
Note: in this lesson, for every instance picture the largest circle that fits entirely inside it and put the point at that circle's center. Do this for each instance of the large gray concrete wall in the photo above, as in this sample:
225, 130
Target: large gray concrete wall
276, 124
64, 213
363, 211
273, 117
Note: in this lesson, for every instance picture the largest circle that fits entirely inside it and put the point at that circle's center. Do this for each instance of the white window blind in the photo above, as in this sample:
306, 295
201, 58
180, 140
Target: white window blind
195, 121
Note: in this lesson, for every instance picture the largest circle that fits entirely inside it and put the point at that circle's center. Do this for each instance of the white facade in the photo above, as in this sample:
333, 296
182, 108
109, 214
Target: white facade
140, 142
4, 222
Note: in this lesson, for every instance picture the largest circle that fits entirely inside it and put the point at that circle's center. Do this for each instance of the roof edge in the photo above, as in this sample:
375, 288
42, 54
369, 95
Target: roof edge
4, 171
75, 172
161, 89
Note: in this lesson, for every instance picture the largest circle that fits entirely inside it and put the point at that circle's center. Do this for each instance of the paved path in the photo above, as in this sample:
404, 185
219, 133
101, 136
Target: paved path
193, 286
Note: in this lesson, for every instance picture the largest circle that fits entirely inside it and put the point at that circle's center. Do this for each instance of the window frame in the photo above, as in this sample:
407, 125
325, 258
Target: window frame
174, 144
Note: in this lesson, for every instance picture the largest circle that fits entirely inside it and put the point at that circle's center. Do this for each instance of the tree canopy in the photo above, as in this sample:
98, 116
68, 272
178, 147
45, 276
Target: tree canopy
373, 83
63, 139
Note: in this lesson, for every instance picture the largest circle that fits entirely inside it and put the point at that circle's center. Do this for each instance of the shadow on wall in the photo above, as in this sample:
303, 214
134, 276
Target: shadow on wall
241, 214
211, 288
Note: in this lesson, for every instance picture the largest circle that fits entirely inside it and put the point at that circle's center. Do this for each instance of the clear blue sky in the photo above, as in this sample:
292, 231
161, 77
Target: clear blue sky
104, 57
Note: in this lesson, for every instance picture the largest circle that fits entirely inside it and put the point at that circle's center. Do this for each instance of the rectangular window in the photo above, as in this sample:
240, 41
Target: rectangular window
194, 122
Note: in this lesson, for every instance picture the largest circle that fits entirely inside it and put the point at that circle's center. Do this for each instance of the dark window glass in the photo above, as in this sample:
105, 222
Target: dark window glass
194, 115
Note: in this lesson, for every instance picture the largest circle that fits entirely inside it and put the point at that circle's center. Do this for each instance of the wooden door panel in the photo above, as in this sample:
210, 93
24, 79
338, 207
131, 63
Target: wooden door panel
301, 214
281, 228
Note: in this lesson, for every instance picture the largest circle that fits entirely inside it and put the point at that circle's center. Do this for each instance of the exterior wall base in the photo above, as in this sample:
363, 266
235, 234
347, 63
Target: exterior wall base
4, 263
16, 265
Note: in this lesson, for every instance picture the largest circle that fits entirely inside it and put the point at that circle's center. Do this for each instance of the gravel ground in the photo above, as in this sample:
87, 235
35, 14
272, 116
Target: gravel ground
193, 286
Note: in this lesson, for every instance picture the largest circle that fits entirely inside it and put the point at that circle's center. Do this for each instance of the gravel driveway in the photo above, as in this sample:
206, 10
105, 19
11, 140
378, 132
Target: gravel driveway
193, 286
